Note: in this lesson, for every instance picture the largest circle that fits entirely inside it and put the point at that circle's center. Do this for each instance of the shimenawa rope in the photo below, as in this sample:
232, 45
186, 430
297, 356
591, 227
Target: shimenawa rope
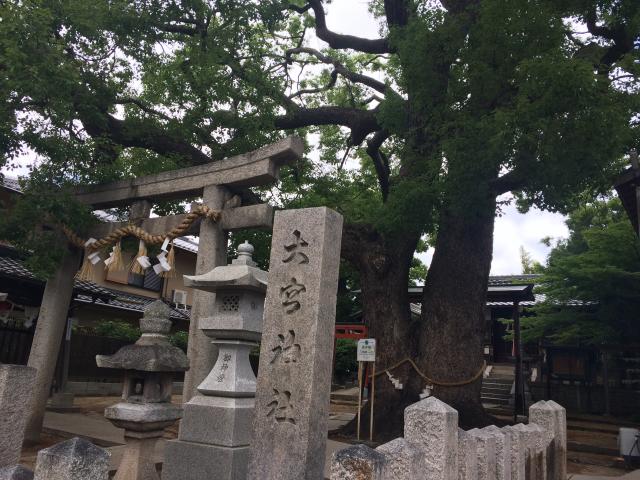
430, 380
133, 230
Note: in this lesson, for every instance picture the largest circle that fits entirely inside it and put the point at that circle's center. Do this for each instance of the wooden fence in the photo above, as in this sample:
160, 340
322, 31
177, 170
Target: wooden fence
15, 343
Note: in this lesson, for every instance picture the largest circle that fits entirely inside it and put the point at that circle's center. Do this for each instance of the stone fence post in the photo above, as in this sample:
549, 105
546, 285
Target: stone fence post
535, 440
435, 448
17, 472
16, 395
357, 463
486, 453
404, 461
467, 456
74, 459
553, 418
503, 451
432, 426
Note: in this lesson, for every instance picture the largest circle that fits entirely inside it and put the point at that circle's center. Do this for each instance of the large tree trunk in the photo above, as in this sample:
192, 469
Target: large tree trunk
383, 264
453, 306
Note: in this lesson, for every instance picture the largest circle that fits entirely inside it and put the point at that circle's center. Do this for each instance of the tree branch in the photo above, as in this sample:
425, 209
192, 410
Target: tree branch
360, 122
380, 161
513, 180
619, 34
181, 29
328, 86
397, 12
340, 41
143, 106
141, 134
298, 9
341, 69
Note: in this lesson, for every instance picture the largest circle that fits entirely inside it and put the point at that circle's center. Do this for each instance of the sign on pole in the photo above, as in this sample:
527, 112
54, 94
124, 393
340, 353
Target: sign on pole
366, 353
367, 350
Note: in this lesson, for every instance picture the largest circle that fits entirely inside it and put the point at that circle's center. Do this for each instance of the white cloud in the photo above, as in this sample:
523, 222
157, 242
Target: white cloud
352, 17
515, 229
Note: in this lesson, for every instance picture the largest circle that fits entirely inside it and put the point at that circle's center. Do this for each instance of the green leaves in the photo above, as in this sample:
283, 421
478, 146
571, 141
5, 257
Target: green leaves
592, 281
33, 226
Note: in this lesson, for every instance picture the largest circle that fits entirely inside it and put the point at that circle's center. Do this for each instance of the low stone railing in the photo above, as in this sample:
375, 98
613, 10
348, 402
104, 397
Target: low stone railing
434, 448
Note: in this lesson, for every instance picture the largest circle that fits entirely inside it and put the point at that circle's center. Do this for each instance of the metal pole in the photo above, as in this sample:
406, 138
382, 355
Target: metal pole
359, 396
372, 398
638, 207
519, 393
605, 380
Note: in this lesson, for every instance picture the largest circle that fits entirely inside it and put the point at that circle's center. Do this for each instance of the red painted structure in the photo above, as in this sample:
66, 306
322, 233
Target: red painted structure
354, 331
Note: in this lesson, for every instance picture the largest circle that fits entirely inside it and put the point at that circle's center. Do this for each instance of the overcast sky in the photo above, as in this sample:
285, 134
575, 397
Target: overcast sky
512, 229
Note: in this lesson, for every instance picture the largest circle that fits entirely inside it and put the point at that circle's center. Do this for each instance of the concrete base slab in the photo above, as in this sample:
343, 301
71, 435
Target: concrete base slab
62, 402
194, 461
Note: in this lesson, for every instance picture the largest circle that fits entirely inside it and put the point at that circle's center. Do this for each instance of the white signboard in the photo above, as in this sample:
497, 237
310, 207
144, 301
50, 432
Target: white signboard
367, 350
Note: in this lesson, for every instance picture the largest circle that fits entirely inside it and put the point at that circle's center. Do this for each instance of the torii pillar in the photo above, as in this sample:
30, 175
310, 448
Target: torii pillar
217, 183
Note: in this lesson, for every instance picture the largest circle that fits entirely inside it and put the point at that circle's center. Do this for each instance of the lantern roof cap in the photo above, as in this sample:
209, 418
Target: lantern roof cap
241, 274
152, 352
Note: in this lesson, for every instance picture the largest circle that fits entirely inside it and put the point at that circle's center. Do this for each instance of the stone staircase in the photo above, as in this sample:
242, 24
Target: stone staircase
496, 388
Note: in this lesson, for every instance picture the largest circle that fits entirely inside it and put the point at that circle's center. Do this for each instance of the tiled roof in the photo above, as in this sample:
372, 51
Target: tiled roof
12, 267
10, 183
525, 278
89, 292
130, 302
190, 244
539, 298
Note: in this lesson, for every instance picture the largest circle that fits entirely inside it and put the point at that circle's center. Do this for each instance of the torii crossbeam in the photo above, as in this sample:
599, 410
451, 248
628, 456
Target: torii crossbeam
217, 183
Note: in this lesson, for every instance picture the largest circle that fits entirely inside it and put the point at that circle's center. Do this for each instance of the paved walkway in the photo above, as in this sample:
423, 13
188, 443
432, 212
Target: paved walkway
100, 431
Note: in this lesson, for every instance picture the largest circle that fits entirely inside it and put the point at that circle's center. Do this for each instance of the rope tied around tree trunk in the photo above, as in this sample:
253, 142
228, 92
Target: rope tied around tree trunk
429, 380
146, 237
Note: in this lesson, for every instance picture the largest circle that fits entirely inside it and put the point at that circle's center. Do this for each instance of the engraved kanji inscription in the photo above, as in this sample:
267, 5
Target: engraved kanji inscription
224, 367
287, 350
295, 250
281, 407
290, 294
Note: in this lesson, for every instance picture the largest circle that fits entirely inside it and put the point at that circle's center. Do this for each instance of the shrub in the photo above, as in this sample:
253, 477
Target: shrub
346, 364
117, 329
179, 339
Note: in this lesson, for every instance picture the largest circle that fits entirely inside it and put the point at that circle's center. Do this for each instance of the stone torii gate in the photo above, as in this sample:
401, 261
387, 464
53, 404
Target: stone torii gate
217, 183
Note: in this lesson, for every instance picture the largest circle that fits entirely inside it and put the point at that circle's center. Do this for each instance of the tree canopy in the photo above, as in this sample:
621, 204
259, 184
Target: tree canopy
493, 94
591, 281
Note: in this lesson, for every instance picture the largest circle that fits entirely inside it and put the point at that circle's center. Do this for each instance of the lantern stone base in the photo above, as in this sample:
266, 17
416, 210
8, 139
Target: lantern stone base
218, 421
196, 461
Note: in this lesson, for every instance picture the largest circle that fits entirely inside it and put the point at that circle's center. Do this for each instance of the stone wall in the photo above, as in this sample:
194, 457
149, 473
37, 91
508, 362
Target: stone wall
435, 448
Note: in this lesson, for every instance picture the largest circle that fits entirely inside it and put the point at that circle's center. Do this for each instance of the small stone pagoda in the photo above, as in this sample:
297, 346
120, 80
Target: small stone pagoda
146, 408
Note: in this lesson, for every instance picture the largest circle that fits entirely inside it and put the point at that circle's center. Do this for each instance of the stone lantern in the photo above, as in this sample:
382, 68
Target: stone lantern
237, 325
217, 422
146, 408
